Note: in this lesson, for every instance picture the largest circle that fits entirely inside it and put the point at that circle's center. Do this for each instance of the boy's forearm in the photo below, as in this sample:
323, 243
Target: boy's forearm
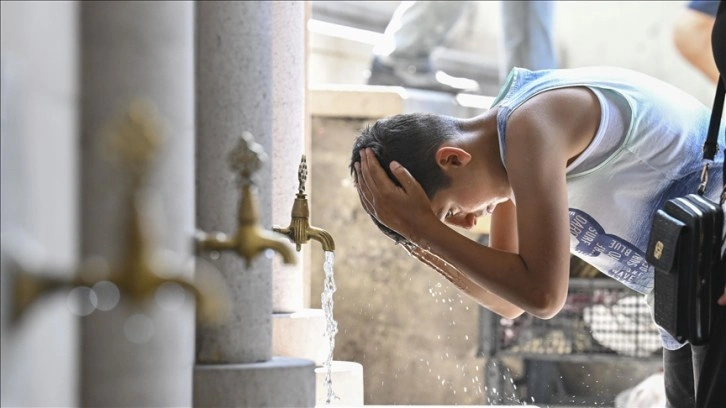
465, 284
504, 274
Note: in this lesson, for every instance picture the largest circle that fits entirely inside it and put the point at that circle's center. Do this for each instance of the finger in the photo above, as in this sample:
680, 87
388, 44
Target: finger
365, 202
362, 185
356, 174
363, 174
363, 190
374, 174
722, 299
405, 178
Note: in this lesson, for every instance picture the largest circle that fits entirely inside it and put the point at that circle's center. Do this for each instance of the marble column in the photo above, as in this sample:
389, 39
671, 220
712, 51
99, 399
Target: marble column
250, 77
38, 192
137, 354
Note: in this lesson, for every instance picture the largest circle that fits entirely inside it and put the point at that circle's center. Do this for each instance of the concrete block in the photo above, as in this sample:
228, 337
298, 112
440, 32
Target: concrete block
279, 382
300, 334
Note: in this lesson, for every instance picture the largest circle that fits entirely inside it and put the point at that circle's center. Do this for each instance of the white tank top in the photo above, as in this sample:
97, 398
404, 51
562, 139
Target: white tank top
647, 150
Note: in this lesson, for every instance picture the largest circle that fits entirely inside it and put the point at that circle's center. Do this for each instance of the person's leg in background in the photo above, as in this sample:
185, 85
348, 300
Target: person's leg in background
527, 36
692, 36
711, 389
680, 374
718, 40
415, 30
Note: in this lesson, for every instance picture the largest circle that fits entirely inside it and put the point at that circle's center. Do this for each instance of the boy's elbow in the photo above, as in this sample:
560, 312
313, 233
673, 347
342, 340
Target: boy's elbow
513, 314
548, 303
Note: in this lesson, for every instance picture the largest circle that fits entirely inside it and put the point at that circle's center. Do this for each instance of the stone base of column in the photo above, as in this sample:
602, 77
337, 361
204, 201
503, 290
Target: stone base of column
300, 334
347, 380
279, 382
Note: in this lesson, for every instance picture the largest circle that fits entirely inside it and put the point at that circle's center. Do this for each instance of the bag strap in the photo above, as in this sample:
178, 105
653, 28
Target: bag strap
710, 147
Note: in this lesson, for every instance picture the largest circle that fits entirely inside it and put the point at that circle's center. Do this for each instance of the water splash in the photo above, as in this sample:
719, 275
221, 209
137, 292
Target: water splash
331, 326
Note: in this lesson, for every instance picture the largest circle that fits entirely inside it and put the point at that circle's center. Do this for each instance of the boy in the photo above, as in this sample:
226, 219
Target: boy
574, 160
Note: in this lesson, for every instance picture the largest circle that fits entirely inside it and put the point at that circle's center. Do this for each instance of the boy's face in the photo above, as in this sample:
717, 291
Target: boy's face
465, 200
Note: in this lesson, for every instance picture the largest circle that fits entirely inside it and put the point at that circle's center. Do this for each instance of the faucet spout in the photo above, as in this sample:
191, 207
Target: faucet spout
324, 237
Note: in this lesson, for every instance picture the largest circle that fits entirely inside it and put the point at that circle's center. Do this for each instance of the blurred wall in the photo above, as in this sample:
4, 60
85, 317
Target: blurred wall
414, 333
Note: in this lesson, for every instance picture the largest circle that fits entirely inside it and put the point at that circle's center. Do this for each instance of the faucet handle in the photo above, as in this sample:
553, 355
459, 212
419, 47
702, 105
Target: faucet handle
135, 137
246, 158
302, 175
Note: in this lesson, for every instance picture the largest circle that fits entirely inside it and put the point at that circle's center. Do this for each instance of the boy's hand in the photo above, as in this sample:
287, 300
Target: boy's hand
398, 208
722, 299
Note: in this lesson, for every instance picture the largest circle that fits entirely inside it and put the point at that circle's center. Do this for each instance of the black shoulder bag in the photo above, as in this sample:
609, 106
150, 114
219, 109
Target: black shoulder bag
685, 249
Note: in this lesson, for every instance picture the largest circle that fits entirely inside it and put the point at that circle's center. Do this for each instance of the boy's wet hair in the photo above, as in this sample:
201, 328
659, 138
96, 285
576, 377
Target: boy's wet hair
412, 140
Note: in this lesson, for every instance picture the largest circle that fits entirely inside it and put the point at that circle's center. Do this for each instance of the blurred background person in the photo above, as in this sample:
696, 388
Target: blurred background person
692, 36
417, 28
527, 36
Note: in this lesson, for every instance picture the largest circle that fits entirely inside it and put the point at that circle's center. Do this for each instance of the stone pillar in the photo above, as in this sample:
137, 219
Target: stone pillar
250, 77
38, 192
137, 354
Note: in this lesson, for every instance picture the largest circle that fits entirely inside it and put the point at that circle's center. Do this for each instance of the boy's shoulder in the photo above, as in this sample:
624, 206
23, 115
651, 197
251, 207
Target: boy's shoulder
570, 116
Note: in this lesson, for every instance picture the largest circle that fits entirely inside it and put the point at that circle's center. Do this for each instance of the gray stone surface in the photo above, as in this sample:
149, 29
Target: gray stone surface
279, 382
233, 96
415, 336
132, 50
250, 77
287, 141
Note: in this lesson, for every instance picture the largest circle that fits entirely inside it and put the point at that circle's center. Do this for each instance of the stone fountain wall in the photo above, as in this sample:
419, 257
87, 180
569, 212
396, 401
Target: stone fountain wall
407, 325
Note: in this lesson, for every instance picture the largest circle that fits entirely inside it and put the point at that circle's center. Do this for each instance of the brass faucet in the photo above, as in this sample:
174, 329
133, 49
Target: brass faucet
300, 231
135, 140
250, 239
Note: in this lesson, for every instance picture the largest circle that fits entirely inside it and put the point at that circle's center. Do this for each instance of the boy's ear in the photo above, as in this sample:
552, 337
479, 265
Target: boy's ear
449, 156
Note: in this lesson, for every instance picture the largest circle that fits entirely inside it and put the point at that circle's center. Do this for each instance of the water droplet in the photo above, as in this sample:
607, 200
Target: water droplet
139, 329
82, 301
170, 296
108, 295
214, 255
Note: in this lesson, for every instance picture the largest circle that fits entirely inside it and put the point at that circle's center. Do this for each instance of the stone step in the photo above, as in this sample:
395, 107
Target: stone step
342, 54
255, 384
347, 378
300, 334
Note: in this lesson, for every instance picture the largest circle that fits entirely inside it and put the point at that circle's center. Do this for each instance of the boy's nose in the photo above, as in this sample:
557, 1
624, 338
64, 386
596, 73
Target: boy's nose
464, 220
470, 220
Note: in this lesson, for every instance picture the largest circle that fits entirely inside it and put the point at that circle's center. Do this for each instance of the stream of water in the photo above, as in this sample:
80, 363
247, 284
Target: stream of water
331, 326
